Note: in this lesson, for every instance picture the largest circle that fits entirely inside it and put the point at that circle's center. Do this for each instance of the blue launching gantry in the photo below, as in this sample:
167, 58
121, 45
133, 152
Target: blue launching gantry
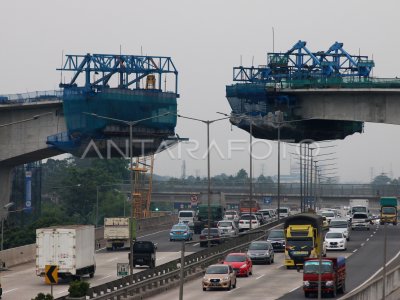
130, 68
300, 63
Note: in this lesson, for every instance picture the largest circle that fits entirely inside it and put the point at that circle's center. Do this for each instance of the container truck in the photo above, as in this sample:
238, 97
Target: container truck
116, 233
388, 212
359, 206
71, 248
217, 211
333, 276
302, 238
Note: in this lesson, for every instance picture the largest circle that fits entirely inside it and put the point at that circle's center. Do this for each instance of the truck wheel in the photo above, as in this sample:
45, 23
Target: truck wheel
333, 294
91, 275
307, 294
394, 223
109, 248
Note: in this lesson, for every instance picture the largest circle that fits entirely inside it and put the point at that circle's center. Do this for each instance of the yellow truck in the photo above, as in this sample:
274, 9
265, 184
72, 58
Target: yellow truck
388, 212
303, 234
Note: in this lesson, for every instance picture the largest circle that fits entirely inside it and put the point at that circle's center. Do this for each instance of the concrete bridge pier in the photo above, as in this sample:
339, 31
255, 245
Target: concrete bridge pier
6, 173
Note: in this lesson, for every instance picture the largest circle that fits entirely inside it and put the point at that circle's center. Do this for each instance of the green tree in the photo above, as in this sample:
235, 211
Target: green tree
242, 175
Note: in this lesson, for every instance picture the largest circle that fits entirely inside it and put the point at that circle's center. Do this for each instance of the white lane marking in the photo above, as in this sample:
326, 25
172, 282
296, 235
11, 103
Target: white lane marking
371, 235
355, 251
373, 275
61, 292
278, 267
104, 277
9, 291
194, 245
294, 289
362, 244
260, 276
367, 239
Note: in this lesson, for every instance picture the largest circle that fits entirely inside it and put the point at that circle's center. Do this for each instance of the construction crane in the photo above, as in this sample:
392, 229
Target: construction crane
142, 186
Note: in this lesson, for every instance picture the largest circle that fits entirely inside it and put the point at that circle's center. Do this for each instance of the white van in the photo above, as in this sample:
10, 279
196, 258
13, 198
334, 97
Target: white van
284, 212
186, 216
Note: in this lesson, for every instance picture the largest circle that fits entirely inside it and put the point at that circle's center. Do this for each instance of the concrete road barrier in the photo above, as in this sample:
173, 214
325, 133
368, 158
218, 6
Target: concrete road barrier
20, 255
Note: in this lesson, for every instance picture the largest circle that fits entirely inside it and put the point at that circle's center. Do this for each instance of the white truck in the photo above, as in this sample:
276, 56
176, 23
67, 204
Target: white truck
71, 248
359, 206
116, 233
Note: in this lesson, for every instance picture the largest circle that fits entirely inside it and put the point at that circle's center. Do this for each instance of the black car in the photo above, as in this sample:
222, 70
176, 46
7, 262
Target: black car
215, 233
277, 238
144, 254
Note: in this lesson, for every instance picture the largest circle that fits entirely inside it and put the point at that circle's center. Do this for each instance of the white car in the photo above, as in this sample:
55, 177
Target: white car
244, 222
228, 228
360, 221
335, 241
329, 214
231, 215
340, 225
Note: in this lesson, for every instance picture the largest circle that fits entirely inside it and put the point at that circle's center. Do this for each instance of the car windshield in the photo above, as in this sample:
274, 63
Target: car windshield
224, 224
217, 270
185, 214
248, 217
338, 224
178, 227
388, 210
313, 267
359, 209
276, 234
302, 244
328, 214
212, 231
283, 210
360, 216
258, 246
230, 213
235, 258
334, 235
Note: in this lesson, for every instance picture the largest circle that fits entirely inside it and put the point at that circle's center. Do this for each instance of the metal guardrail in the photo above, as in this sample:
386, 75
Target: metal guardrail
288, 189
164, 274
30, 97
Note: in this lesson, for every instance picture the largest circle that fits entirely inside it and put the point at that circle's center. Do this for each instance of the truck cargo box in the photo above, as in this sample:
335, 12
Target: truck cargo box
70, 247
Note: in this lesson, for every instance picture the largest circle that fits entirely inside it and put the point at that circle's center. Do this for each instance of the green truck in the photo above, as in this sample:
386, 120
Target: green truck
217, 211
388, 212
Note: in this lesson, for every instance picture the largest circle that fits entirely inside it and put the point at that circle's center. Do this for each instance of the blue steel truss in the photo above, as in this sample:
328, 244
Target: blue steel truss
300, 63
130, 69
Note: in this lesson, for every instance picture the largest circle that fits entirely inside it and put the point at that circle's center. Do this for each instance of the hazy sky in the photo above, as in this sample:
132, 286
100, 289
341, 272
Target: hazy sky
206, 39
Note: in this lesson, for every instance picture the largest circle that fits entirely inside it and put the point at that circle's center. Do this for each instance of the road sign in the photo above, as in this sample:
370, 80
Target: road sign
122, 269
51, 274
267, 200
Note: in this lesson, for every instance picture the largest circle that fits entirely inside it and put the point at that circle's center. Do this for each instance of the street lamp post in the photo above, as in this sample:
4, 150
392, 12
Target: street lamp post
132, 226
207, 122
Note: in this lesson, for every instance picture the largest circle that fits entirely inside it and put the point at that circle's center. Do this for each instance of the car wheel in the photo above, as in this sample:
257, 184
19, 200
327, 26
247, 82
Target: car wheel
229, 286
247, 273
204, 289
251, 271
234, 286
307, 294
268, 261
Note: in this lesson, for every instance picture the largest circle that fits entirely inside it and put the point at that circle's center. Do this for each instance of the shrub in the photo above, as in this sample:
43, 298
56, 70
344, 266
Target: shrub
42, 296
78, 288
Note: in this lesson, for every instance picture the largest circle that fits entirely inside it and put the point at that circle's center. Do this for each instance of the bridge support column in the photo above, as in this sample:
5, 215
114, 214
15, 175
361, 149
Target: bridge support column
5, 187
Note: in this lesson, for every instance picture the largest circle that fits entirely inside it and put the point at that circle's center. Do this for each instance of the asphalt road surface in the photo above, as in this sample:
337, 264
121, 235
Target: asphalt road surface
21, 282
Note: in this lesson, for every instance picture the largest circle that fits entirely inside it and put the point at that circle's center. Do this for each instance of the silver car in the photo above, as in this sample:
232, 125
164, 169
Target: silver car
228, 228
261, 251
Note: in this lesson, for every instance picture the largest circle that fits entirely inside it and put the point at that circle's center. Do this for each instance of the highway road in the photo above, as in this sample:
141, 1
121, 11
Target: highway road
364, 253
21, 282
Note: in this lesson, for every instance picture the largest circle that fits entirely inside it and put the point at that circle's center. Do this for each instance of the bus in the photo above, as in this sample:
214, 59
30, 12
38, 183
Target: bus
302, 238
245, 205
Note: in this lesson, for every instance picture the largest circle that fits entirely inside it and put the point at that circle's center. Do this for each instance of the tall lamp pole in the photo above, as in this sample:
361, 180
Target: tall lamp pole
132, 223
5, 208
207, 122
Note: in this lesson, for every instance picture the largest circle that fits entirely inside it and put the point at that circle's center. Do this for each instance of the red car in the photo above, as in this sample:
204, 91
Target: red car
240, 262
